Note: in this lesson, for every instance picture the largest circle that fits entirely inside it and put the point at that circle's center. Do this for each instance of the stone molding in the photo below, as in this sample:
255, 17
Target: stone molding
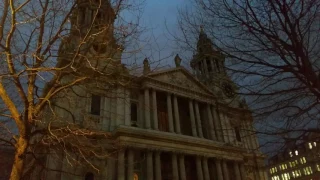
176, 143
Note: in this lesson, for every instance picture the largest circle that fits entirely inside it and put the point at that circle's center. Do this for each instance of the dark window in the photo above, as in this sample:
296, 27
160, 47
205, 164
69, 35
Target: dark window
95, 104
209, 65
134, 114
89, 176
217, 65
238, 136
82, 15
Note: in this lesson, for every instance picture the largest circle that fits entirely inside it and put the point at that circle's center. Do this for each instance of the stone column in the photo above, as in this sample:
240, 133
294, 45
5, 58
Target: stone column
149, 165
198, 70
211, 126
219, 169
242, 171
199, 168
170, 118
176, 114
225, 170
130, 164
205, 66
224, 128
182, 168
158, 166
111, 168
193, 122
127, 105
175, 172
198, 119
147, 109
121, 167
217, 124
255, 139
250, 135
205, 168
237, 171
155, 110
106, 114
244, 137
231, 133
212, 65
140, 120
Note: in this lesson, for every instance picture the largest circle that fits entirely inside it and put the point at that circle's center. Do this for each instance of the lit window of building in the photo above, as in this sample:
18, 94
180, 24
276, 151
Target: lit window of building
307, 170
275, 178
310, 145
296, 152
285, 176
314, 144
298, 172
290, 153
303, 160
318, 167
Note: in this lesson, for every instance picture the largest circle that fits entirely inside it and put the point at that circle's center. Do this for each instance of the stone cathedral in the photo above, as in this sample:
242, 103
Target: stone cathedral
170, 124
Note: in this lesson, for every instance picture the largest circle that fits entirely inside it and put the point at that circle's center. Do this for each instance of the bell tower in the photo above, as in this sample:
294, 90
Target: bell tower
93, 17
92, 34
208, 66
207, 62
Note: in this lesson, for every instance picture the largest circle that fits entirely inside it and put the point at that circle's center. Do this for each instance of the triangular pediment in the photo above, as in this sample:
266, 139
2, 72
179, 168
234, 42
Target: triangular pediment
180, 77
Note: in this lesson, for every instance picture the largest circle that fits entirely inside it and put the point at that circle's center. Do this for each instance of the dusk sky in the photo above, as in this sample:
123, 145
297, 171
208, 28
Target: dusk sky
159, 17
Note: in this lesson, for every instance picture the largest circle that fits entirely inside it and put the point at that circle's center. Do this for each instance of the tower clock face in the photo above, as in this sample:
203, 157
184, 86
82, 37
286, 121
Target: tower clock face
228, 90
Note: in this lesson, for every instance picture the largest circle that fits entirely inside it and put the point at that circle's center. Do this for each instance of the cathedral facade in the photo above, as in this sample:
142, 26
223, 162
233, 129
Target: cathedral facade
171, 124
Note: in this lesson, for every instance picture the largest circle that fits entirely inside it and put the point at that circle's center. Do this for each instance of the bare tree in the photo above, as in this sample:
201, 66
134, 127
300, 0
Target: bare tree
51, 50
272, 50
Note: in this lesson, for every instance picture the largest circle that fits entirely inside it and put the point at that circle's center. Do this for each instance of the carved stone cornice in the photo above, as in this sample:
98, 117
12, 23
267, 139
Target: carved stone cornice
178, 90
177, 143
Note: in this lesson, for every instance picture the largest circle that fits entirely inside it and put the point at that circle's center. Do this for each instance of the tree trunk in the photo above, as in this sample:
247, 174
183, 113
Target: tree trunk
17, 168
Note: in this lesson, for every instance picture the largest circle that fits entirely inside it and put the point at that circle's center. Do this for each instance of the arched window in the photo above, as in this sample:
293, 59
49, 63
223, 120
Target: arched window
238, 136
89, 176
217, 65
135, 176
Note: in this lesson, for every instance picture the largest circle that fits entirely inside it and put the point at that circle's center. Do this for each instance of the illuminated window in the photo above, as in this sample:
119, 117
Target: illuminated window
135, 176
296, 152
290, 153
314, 144
307, 170
285, 176
298, 172
303, 160
318, 167
275, 178
310, 145
310, 170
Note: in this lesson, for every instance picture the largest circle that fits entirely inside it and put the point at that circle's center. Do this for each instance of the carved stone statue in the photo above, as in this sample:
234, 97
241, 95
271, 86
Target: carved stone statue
146, 66
177, 60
